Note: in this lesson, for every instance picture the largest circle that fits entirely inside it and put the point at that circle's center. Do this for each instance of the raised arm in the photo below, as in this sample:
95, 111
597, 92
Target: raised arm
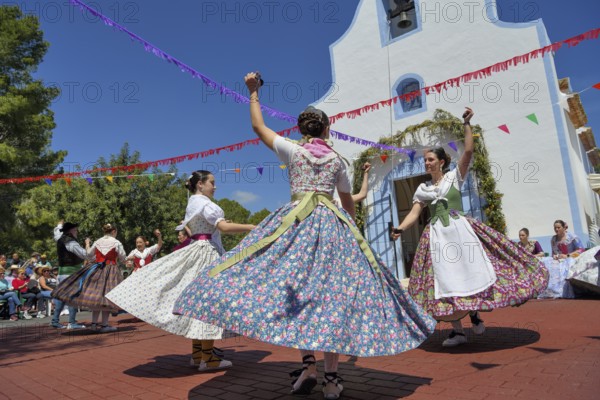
360, 196
160, 239
465, 159
266, 134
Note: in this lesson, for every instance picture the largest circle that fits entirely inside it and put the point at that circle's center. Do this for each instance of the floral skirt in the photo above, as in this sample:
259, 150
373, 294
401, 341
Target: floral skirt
150, 292
88, 287
520, 276
313, 289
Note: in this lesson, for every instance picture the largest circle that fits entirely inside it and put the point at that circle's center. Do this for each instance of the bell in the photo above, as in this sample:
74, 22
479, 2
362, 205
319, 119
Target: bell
404, 22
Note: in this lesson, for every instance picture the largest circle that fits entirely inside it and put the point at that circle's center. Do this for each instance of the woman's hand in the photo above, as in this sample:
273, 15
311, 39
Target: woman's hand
252, 80
366, 167
467, 115
157, 233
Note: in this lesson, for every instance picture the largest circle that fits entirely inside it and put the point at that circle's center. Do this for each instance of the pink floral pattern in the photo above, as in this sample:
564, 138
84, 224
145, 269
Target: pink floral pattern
521, 276
313, 288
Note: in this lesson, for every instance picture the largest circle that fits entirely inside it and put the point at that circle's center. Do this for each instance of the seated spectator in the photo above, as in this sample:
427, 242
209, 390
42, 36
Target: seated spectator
46, 281
44, 261
531, 246
16, 260
20, 285
565, 244
31, 263
6, 293
3, 261
14, 271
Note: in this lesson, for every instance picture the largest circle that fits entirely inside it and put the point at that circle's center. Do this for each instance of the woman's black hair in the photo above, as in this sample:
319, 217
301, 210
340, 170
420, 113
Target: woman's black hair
197, 176
525, 230
312, 122
561, 222
441, 154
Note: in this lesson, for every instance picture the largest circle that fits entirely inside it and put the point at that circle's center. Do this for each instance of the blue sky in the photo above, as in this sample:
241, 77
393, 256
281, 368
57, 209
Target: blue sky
114, 92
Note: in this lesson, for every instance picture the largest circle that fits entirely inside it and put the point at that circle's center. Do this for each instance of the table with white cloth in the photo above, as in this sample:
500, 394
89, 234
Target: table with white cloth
584, 274
558, 285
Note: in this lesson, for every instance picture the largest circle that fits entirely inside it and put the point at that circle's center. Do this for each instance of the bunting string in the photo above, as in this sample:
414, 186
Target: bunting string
438, 87
410, 152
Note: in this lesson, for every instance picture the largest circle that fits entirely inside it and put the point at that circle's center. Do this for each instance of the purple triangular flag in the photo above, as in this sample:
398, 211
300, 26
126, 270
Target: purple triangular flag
453, 146
48, 181
89, 180
260, 170
411, 155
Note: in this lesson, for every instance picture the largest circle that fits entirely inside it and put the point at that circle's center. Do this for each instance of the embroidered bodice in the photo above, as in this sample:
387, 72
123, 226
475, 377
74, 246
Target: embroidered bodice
443, 198
308, 173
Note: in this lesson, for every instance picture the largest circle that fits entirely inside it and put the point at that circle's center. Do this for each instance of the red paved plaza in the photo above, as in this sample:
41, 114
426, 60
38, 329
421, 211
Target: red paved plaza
546, 349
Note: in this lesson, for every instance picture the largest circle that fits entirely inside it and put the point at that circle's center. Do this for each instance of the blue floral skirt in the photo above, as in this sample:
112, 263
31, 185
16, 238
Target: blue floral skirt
313, 289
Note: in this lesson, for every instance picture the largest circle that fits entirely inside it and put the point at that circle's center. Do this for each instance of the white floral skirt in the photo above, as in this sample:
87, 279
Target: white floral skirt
150, 293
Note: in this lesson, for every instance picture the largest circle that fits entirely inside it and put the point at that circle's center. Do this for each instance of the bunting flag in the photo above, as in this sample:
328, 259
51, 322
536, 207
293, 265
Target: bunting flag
533, 118
151, 177
504, 128
237, 170
282, 166
110, 179
597, 86
407, 97
207, 153
411, 155
68, 180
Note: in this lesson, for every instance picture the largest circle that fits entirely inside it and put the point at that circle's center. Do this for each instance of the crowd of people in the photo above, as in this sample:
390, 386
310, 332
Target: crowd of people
305, 277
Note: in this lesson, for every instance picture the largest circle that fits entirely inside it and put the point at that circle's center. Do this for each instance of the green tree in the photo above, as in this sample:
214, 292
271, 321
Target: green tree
258, 216
26, 122
234, 212
136, 206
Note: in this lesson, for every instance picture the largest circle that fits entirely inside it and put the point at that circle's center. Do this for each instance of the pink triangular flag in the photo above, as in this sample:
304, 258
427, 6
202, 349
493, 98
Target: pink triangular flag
504, 128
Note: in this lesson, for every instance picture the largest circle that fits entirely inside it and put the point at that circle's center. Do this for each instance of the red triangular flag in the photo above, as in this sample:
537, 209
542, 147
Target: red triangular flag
504, 128
597, 86
383, 157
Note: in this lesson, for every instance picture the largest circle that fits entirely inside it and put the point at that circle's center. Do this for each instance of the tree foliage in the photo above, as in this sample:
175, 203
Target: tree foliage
26, 122
136, 205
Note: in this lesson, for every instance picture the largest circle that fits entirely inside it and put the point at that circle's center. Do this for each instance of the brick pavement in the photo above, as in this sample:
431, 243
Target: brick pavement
546, 349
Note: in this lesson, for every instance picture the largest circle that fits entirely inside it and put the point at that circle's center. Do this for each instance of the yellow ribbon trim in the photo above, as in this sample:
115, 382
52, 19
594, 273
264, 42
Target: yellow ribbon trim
308, 202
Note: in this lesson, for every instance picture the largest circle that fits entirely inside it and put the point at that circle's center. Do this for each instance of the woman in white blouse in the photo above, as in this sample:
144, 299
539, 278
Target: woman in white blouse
161, 282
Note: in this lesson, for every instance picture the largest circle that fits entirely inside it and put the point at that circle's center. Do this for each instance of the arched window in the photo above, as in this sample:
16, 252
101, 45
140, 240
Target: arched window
406, 86
402, 16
